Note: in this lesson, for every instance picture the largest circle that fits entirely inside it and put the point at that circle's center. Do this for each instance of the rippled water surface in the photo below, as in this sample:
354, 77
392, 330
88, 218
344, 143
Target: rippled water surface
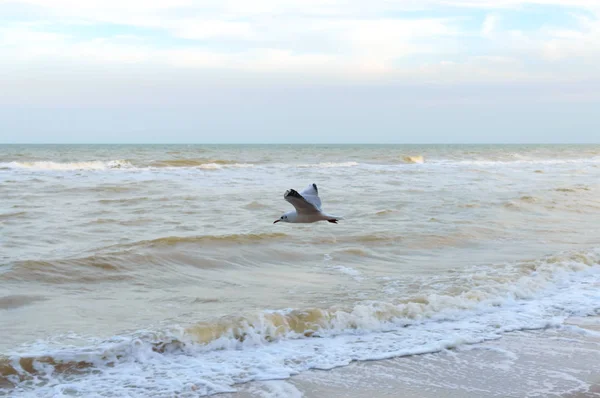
121, 265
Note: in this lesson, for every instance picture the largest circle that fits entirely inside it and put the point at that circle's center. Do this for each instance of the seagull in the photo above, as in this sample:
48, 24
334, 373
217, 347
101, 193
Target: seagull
308, 207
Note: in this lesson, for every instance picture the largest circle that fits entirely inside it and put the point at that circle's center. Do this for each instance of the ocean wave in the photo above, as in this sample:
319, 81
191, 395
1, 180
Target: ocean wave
68, 166
16, 214
217, 166
222, 164
97, 165
204, 164
328, 165
254, 205
371, 238
18, 300
385, 212
529, 199
519, 161
192, 162
78, 270
414, 159
122, 261
573, 189
428, 241
355, 251
223, 239
211, 357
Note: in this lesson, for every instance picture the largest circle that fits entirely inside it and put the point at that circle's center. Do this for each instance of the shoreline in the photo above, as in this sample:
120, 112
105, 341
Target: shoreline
553, 362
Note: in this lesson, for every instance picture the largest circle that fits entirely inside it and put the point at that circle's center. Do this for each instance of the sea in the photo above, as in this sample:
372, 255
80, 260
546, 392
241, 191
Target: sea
157, 271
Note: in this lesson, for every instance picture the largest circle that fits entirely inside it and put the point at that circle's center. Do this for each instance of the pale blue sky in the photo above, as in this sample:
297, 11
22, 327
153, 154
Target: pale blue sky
403, 71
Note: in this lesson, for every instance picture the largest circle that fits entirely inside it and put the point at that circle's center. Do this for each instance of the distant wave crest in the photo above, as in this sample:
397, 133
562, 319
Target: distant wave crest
209, 164
199, 163
414, 159
68, 166
327, 165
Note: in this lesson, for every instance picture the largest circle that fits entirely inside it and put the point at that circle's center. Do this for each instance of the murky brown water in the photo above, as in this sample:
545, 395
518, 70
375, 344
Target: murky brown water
127, 263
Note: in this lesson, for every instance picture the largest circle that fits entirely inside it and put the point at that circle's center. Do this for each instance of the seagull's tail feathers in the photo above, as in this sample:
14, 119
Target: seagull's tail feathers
332, 218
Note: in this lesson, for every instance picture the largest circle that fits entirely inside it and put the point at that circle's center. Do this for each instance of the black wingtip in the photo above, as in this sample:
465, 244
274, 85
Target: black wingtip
292, 192
315, 187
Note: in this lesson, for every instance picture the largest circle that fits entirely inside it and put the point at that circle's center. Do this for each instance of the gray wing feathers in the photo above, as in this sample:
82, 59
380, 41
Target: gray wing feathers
311, 195
301, 203
310, 190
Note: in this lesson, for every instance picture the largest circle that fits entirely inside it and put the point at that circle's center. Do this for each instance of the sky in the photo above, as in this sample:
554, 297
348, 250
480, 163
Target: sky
299, 71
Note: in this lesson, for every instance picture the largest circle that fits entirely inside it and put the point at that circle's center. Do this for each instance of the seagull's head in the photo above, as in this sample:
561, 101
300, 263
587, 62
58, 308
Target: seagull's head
287, 217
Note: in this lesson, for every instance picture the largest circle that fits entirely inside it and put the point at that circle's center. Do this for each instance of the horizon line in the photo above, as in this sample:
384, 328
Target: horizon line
299, 143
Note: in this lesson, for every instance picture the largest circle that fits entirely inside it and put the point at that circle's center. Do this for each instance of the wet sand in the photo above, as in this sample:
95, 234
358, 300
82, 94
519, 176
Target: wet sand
555, 362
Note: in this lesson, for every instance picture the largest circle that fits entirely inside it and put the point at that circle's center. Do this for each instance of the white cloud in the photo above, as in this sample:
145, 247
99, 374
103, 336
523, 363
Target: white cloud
200, 29
370, 46
489, 25
565, 43
327, 37
500, 4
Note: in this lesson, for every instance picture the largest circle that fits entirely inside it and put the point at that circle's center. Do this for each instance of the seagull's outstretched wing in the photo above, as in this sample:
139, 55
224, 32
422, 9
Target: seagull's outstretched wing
311, 194
302, 205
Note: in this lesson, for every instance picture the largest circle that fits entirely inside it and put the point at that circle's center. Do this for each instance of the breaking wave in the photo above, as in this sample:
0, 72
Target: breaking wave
328, 165
208, 164
68, 166
520, 161
413, 159
212, 356
191, 162
220, 164
214, 166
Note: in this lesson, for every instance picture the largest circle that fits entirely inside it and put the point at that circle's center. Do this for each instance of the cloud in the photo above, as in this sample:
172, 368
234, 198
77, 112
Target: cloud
332, 38
489, 25
350, 45
515, 4
581, 42
200, 29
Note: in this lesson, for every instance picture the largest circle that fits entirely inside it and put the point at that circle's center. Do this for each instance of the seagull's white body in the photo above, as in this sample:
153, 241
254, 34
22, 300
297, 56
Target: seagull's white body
308, 207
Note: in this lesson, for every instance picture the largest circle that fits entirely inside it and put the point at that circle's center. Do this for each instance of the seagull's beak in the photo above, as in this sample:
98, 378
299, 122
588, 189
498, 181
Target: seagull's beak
276, 221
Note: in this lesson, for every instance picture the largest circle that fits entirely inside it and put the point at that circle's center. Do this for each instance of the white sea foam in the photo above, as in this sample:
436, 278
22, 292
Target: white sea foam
97, 165
216, 166
276, 389
328, 165
520, 161
68, 166
348, 271
173, 362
